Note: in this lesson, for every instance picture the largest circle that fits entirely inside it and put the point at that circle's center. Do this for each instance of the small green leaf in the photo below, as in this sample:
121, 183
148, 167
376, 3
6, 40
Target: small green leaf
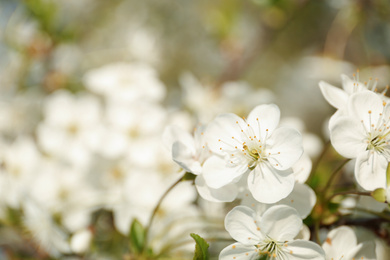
188, 176
201, 248
137, 236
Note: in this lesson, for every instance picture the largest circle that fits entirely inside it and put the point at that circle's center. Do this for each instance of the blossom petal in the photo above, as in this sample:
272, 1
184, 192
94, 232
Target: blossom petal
174, 134
336, 97
302, 168
302, 249
370, 170
366, 106
242, 224
239, 251
285, 147
365, 250
302, 198
264, 119
339, 241
184, 156
304, 233
269, 185
217, 172
352, 86
281, 223
223, 133
347, 137
224, 194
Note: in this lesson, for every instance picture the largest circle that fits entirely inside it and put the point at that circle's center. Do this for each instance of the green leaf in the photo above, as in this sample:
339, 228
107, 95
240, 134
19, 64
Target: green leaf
137, 236
201, 248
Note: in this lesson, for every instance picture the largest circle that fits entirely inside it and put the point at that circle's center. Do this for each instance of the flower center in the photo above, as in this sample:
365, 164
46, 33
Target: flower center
377, 133
376, 143
272, 248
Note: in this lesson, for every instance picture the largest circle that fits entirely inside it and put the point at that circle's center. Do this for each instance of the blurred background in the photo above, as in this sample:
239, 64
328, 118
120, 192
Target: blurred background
88, 86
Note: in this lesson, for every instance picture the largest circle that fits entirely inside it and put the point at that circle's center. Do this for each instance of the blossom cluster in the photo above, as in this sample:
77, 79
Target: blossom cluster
119, 143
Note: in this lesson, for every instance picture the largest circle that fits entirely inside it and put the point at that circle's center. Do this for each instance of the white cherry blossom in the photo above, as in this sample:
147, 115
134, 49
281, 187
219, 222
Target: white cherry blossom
273, 235
125, 82
190, 152
256, 146
70, 121
363, 133
341, 243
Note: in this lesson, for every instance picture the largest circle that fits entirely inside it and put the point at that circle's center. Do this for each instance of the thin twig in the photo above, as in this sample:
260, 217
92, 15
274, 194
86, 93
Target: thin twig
158, 207
352, 192
334, 174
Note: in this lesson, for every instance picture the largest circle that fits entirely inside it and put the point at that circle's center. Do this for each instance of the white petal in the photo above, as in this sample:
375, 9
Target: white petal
269, 185
370, 170
220, 131
285, 147
281, 223
336, 97
242, 223
339, 241
365, 250
238, 251
302, 198
264, 117
217, 173
224, 194
348, 84
174, 134
347, 137
302, 168
312, 144
361, 103
302, 249
338, 114
80, 241
304, 233
184, 156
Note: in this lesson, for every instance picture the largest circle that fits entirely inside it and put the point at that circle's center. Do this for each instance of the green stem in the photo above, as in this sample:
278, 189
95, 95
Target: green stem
317, 232
157, 208
353, 192
378, 214
334, 174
